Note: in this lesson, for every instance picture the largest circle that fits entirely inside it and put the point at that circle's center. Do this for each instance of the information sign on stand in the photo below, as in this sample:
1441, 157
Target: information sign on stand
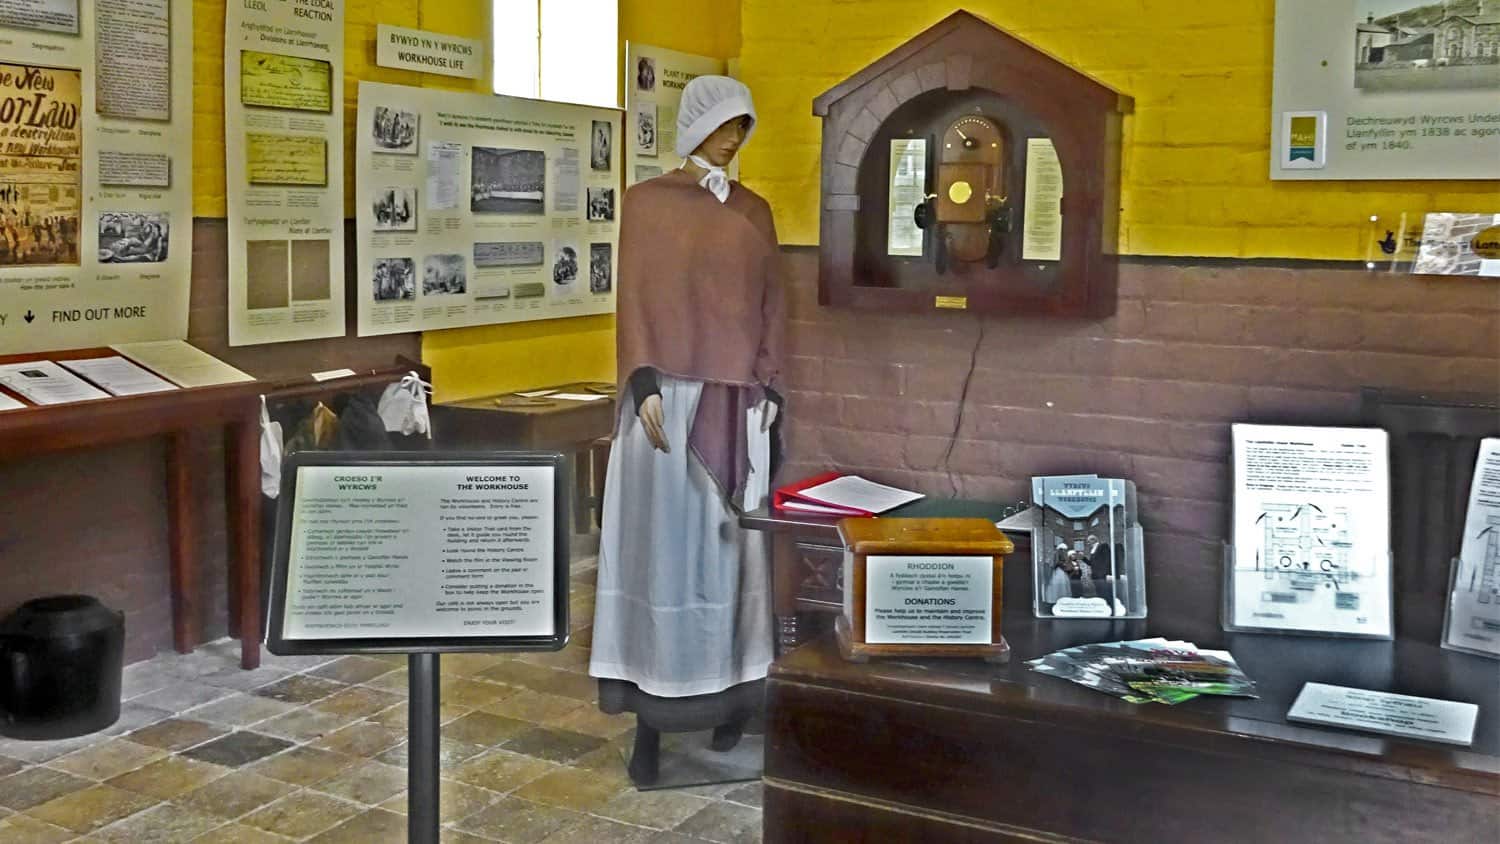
422, 554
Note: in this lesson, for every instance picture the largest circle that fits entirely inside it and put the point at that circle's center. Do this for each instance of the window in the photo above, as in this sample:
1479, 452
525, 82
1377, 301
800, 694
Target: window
563, 50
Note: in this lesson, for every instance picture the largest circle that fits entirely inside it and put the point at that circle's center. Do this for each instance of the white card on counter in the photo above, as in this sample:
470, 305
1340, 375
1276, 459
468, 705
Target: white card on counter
1446, 721
119, 376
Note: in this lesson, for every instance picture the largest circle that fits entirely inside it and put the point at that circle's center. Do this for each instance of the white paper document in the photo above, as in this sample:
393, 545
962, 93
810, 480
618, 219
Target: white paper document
578, 396
8, 403
44, 382
1474, 600
182, 364
421, 551
536, 394
119, 376
855, 493
332, 374
1311, 530
1447, 721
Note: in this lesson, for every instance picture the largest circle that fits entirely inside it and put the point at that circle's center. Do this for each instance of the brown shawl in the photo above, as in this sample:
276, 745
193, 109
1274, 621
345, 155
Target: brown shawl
701, 298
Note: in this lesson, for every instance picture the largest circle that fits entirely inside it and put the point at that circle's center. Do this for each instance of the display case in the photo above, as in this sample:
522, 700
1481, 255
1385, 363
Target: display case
968, 170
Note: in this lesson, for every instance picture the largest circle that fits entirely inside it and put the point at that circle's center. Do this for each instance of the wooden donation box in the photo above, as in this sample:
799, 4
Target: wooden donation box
922, 587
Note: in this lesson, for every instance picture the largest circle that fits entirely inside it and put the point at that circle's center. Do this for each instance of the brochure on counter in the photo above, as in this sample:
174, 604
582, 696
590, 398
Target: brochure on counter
836, 494
1148, 670
1473, 617
1312, 536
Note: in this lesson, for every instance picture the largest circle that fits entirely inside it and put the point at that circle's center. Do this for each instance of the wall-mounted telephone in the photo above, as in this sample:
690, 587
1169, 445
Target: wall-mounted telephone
969, 212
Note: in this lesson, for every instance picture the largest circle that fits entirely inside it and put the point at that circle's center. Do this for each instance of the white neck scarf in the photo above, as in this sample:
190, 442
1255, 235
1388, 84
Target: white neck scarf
716, 180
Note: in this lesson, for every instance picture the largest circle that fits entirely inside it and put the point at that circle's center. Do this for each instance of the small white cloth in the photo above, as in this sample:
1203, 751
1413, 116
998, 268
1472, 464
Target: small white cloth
715, 180
403, 407
709, 102
272, 447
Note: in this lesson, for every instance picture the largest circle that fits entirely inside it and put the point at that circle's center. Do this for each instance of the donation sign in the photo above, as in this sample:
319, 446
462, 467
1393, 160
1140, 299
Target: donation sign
921, 600
420, 552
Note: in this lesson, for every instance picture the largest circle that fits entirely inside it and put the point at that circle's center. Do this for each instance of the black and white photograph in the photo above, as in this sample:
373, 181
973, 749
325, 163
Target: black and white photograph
394, 131
395, 279
601, 268
395, 209
601, 205
645, 74
565, 264
1421, 45
508, 181
444, 275
601, 145
645, 128
133, 237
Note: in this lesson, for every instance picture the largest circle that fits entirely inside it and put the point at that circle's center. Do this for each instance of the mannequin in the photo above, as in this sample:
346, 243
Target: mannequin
682, 627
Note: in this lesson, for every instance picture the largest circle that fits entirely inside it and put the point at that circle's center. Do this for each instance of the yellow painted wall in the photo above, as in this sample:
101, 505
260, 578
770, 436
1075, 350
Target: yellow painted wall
1195, 180
485, 360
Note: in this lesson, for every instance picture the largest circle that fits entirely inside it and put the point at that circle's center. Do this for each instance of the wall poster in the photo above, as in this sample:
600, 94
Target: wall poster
93, 173
474, 209
1386, 89
284, 148
654, 79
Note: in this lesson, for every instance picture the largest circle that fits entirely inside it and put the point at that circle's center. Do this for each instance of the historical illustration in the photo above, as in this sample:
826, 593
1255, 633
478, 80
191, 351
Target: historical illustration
1408, 45
395, 209
444, 275
601, 205
395, 131
601, 143
601, 268
508, 181
395, 279
133, 237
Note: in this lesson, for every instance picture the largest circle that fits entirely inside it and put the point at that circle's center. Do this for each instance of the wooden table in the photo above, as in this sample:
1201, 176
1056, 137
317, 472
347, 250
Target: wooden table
807, 574
234, 408
572, 427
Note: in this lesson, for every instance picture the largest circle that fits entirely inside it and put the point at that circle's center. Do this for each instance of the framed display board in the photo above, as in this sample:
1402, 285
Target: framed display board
411, 552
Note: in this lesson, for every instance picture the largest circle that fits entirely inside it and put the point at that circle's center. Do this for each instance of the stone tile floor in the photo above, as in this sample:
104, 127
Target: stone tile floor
314, 749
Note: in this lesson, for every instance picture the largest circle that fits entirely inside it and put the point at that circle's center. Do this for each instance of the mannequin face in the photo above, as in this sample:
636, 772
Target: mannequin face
720, 147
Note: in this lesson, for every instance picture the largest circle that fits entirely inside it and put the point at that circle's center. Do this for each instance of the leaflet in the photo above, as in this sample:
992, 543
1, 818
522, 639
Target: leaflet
1447, 721
44, 382
119, 376
182, 364
1474, 599
1311, 530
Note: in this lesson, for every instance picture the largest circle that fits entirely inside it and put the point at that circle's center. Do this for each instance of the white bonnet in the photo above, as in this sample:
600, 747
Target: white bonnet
709, 102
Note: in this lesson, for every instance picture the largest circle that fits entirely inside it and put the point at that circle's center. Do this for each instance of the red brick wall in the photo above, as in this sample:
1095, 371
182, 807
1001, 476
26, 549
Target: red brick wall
1147, 394
95, 521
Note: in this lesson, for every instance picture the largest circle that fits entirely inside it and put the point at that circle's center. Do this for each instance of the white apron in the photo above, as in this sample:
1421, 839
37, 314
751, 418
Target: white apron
683, 602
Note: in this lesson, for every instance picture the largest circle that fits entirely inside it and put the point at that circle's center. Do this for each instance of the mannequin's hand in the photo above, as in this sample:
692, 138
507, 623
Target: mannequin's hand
768, 410
653, 420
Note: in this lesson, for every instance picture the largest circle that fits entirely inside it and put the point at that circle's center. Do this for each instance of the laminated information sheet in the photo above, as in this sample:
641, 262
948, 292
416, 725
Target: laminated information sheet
96, 188
284, 148
421, 551
1474, 599
1311, 531
474, 209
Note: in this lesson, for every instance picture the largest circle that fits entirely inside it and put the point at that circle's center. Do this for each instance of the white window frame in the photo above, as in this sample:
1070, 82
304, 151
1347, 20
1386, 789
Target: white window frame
565, 50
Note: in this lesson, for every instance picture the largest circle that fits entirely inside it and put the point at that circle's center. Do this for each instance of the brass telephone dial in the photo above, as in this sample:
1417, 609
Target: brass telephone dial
969, 210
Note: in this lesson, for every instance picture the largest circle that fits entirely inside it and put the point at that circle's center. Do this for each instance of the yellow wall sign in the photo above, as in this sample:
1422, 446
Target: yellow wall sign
956, 303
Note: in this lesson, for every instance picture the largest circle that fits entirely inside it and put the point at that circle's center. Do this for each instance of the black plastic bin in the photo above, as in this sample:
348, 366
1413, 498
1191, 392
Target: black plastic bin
61, 662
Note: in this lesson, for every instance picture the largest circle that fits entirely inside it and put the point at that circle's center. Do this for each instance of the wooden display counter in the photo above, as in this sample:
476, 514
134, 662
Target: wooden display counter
967, 752
233, 409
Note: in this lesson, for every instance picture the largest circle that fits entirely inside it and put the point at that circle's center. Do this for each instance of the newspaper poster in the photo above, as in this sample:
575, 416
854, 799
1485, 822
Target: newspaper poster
497, 220
1386, 89
284, 163
41, 174
95, 176
654, 79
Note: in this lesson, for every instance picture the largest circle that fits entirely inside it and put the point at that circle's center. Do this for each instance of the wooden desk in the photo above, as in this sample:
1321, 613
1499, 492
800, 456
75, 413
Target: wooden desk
959, 751
232, 407
572, 427
807, 574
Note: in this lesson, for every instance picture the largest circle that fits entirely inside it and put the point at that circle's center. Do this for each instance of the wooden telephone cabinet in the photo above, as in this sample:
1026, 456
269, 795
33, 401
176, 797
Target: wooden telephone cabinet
1010, 161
